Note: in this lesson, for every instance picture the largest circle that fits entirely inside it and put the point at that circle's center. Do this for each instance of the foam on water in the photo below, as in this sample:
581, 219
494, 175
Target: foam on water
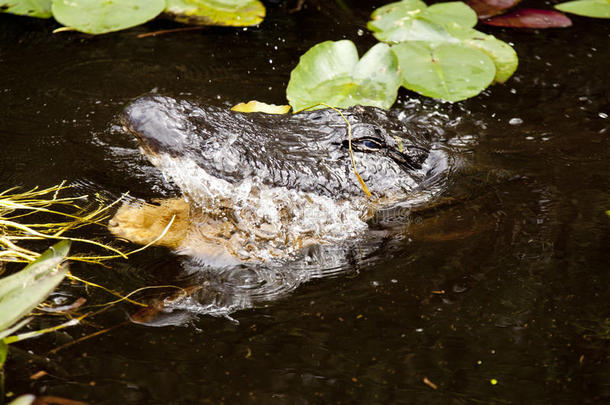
269, 223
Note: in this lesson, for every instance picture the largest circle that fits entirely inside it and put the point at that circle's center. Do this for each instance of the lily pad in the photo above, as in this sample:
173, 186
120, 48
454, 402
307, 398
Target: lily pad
331, 73
587, 8
450, 72
530, 18
257, 106
22, 291
454, 12
412, 20
502, 54
99, 17
30, 8
235, 13
489, 8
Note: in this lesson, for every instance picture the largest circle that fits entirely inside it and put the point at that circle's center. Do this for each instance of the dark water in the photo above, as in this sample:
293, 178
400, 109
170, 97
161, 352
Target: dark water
510, 284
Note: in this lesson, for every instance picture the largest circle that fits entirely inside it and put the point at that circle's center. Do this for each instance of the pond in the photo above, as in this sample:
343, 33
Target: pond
499, 295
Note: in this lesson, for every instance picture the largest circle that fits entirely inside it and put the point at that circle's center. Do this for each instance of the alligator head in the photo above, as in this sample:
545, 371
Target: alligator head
288, 179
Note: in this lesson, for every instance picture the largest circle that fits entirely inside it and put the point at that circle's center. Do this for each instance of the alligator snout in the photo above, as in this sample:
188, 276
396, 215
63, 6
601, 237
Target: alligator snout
154, 122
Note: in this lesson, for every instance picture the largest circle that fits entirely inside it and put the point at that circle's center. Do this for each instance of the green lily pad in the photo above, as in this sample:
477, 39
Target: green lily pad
450, 72
22, 291
100, 17
235, 13
331, 73
412, 20
502, 54
454, 12
587, 8
30, 8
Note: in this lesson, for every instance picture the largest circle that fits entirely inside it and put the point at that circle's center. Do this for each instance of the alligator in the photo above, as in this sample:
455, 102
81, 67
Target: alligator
260, 187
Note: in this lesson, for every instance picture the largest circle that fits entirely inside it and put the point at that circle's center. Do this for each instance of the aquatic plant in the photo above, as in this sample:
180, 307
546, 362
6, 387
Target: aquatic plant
24, 290
100, 17
496, 12
332, 73
434, 51
530, 18
64, 214
586, 8
50, 217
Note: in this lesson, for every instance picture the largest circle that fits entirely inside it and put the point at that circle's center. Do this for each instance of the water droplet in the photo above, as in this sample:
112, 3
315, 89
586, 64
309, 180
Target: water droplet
515, 121
360, 32
603, 115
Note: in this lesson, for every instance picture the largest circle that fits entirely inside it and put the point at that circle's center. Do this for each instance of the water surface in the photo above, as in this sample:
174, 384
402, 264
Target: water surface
507, 282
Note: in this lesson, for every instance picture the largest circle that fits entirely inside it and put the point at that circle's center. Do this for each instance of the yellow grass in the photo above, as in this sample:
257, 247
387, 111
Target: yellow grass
39, 214
20, 220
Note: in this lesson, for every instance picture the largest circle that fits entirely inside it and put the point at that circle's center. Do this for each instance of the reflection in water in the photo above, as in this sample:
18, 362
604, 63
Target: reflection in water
220, 291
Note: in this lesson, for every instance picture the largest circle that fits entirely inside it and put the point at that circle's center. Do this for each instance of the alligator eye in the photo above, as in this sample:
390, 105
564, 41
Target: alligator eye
365, 144
368, 144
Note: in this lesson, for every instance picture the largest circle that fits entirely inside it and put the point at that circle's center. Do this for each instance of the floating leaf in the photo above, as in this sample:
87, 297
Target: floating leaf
3, 352
530, 18
235, 13
450, 72
22, 291
502, 54
257, 106
412, 20
587, 8
26, 399
454, 12
30, 8
489, 8
99, 17
331, 73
